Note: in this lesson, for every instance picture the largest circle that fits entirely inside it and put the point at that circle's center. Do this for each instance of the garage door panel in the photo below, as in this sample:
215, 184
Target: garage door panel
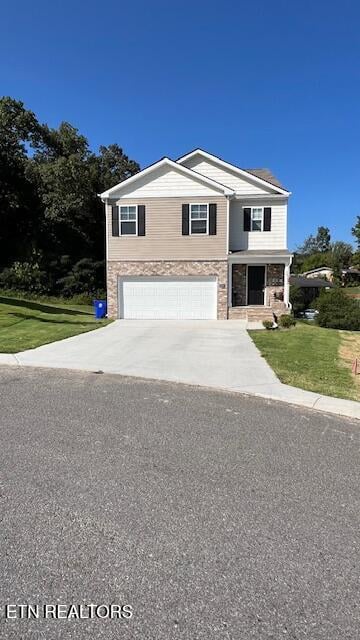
168, 298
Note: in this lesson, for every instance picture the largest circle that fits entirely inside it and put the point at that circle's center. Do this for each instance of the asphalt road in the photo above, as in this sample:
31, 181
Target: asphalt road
215, 516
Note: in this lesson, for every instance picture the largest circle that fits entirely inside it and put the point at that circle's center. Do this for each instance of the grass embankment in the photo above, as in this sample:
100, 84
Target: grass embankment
25, 324
313, 358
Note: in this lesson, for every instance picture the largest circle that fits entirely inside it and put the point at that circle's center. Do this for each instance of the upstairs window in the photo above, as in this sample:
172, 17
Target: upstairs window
128, 220
257, 219
199, 218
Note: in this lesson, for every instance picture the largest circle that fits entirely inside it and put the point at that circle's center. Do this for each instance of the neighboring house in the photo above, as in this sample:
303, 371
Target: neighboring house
311, 287
199, 239
320, 272
347, 275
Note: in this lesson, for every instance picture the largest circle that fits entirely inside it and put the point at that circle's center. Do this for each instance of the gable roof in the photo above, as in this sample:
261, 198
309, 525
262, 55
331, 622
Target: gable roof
173, 165
261, 176
324, 268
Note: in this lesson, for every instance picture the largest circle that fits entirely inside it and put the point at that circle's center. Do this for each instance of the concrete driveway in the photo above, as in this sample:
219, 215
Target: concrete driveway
209, 353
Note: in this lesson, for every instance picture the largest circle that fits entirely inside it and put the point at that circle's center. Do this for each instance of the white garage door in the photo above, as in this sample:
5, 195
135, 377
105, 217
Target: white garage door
168, 298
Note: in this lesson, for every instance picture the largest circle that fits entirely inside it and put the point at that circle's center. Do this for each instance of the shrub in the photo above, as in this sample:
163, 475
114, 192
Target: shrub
338, 310
298, 299
24, 276
267, 324
287, 321
84, 278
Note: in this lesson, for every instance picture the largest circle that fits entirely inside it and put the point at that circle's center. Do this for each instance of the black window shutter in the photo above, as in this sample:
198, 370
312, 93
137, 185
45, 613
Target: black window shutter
115, 220
267, 218
247, 218
141, 220
212, 219
185, 219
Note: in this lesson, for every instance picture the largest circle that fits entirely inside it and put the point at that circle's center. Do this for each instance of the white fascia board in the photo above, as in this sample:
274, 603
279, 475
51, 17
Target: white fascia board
174, 165
261, 259
227, 165
261, 196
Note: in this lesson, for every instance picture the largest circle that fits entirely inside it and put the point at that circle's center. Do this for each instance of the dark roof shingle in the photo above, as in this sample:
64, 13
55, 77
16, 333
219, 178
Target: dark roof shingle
265, 174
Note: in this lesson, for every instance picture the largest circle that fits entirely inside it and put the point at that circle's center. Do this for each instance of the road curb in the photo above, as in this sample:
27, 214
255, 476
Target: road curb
277, 392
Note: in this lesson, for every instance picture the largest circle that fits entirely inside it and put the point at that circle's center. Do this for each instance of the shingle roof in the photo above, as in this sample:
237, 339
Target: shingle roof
309, 283
261, 252
265, 174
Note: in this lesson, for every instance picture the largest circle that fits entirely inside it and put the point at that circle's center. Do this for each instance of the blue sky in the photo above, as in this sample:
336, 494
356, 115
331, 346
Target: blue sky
265, 84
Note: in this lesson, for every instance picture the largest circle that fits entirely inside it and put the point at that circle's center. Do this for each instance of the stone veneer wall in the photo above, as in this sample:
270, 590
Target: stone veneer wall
239, 285
275, 287
167, 268
274, 292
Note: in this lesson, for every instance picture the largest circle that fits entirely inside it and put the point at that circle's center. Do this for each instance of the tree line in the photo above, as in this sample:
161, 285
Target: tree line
52, 221
52, 238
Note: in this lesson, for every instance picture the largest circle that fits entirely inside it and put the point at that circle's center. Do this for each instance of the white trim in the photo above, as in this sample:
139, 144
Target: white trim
230, 268
128, 235
227, 248
261, 219
227, 165
260, 196
196, 204
107, 238
173, 165
237, 258
287, 285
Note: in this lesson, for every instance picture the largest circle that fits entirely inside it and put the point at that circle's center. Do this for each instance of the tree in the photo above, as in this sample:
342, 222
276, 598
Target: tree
113, 166
316, 244
323, 239
316, 260
19, 202
52, 219
308, 247
341, 254
356, 232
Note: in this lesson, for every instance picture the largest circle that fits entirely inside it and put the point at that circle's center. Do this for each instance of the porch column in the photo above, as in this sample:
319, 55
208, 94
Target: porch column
229, 284
287, 285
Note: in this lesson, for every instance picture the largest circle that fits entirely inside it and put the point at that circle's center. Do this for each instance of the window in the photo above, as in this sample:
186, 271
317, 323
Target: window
257, 219
199, 218
128, 220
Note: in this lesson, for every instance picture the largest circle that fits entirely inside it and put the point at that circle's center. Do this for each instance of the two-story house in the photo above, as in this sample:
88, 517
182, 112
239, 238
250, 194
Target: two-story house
198, 238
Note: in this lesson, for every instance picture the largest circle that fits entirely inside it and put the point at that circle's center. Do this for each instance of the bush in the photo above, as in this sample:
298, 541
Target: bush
338, 311
298, 299
79, 299
287, 321
267, 324
24, 276
84, 278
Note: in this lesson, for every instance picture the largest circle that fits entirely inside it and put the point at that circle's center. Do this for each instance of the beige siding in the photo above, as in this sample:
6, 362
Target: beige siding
166, 183
226, 177
274, 239
164, 239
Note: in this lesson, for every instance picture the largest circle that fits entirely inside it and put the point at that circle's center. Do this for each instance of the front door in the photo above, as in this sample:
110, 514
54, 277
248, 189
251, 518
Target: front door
256, 285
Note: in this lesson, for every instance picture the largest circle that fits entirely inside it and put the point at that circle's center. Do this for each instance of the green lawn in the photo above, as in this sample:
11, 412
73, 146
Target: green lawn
352, 290
25, 324
307, 356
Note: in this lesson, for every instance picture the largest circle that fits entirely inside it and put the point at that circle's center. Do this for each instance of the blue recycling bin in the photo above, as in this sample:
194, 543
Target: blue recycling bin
100, 308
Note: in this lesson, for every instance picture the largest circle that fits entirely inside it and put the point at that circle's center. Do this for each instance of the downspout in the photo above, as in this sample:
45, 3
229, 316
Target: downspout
228, 266
105, 202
